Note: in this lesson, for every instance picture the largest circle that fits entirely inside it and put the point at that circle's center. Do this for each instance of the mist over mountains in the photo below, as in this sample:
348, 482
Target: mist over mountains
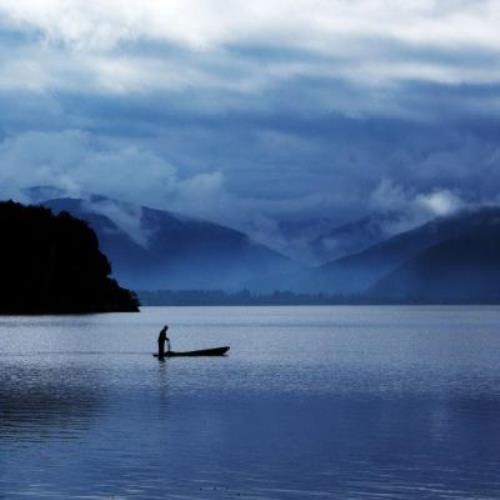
153, 249
392, 268
465, 269
354, 236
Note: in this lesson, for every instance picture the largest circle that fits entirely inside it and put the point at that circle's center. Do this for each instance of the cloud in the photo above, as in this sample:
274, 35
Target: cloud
126, 216
101, 24
440, 203
413, 208
77, 163
141, 46
388, 196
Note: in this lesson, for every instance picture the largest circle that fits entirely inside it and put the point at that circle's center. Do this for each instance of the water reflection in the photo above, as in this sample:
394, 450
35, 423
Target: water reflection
38, 400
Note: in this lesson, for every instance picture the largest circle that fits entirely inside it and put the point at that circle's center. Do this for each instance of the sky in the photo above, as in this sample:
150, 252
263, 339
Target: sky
254, 114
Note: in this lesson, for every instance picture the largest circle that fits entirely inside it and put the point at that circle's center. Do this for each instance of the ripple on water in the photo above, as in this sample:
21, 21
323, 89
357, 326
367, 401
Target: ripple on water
330, 402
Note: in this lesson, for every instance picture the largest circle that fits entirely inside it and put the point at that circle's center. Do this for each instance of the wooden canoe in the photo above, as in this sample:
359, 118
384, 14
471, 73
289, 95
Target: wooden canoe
215, 351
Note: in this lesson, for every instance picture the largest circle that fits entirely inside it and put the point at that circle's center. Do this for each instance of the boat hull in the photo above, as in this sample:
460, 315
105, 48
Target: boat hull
216, 351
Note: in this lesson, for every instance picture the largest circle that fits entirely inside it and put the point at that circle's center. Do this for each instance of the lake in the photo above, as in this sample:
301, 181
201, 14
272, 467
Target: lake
311, 402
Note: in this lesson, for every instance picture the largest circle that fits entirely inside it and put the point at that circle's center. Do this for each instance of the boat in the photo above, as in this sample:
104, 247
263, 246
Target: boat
214, 351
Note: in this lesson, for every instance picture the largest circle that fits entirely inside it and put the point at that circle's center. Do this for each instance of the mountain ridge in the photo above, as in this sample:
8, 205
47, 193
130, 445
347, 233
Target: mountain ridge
354, 274
462, 269
173, 250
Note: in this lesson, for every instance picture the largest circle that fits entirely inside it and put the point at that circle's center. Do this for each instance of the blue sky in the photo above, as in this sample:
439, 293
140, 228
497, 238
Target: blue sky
251, 113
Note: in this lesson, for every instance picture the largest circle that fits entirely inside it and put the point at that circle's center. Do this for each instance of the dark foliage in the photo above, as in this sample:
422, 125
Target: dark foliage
51, 264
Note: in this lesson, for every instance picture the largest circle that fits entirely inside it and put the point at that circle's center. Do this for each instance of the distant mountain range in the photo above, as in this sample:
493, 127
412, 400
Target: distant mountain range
413, 253
320, 240
465, 269
354, 236
453, 258
151, 249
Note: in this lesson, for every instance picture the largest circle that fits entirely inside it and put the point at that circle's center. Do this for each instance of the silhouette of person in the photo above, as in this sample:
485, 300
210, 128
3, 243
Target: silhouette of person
162, 338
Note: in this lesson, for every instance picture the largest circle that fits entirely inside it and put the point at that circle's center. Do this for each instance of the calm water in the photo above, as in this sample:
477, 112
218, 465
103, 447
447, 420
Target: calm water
312, 402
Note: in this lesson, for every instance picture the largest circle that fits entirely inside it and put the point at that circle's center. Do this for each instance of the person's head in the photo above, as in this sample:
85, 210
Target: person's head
166, 327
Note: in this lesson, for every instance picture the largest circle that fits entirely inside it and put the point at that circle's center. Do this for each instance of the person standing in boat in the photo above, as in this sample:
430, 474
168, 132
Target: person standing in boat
162, 339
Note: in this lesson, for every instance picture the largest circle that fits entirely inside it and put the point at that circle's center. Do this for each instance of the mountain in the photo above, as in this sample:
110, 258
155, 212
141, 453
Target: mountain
321, 239
355, 236
356, 273
53, 265
152, 249
460, 270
